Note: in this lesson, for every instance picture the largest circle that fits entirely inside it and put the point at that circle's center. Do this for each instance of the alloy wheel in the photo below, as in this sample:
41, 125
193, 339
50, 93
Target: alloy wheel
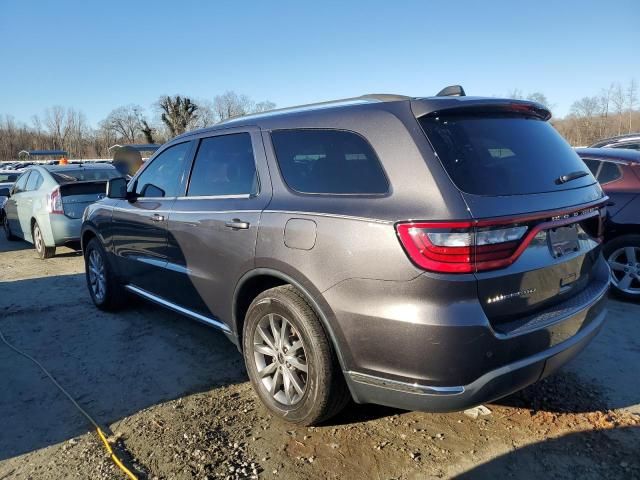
97, 279
280, 357
625, 269
37, 238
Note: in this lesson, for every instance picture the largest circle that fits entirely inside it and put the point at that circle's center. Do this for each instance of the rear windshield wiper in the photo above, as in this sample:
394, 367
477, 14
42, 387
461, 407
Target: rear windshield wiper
571, 176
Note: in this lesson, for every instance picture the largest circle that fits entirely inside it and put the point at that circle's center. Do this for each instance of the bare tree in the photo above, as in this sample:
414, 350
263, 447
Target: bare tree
206, 114
147, 131
178, 113
230, 104
540, 98
54, 119
586, 110
618, 99
632, 99
516, 94
264, 106
125, 122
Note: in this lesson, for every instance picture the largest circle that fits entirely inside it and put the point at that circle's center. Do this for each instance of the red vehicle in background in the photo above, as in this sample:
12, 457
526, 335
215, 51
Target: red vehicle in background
618, 171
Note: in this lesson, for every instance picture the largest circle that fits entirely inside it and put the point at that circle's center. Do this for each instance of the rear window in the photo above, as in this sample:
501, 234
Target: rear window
503, 154
85, 175
8, 177
329, 162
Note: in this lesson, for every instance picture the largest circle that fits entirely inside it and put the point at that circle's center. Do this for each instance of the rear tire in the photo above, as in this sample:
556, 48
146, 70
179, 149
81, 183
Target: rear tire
105, 290
38, 242
7, 229
290, 360
623, 255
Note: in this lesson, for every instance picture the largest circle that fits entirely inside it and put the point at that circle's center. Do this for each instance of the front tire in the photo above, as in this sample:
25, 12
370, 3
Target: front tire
107, 294
38, 242
623, 256
290, 360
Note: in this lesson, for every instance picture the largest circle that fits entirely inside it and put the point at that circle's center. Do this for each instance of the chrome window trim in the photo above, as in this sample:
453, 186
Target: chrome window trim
242, 196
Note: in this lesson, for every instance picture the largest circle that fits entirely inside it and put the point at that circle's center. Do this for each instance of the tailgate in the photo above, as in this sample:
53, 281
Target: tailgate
558, 259
77, 196
537, 210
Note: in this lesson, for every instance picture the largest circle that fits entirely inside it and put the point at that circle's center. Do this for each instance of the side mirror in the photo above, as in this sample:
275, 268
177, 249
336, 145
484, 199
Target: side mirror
150, 190
117, 188
5, 192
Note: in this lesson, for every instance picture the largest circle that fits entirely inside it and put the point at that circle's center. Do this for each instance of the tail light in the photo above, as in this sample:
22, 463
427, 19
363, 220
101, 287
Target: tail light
459, 247
54, 204
488, 244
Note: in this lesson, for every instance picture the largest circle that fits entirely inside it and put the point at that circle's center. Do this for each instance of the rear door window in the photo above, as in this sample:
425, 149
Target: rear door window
609, 173
34, 182
593, 165
503, 154
224, 165
630, 146
21, 183
328, 162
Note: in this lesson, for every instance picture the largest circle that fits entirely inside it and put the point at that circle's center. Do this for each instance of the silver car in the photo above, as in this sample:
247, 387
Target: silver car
46, 203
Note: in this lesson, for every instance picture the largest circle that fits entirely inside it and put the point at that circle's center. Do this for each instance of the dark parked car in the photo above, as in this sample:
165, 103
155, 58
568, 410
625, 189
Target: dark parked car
424, 253
630, 141
618, 171
7, 179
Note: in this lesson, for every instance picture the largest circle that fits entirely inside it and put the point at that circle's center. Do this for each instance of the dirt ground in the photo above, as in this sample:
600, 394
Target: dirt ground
177, 401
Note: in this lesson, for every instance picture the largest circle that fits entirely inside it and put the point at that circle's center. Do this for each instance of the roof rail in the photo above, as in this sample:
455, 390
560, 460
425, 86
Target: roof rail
452, 91
370, 97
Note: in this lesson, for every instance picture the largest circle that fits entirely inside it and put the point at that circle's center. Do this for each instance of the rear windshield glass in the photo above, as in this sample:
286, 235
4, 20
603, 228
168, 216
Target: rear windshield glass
328, 161
85, 175
8, 177
503, 154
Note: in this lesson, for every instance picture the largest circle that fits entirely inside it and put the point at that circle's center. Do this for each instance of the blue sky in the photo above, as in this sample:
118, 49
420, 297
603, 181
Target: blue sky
95, 56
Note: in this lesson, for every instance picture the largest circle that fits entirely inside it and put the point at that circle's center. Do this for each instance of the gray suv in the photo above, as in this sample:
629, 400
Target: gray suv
423, 253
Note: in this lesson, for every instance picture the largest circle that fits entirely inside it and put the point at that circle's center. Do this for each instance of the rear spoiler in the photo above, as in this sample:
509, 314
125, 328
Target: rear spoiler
475, 105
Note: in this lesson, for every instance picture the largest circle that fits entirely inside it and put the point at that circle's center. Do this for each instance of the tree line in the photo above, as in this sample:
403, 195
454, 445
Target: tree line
60, 128
610, 113
613, 111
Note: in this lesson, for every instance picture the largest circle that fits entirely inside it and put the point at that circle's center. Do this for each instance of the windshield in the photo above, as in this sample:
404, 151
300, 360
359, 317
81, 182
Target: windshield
85, 175
503, 154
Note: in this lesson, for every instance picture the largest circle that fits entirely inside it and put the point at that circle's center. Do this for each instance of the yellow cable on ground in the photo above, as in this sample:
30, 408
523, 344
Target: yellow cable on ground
102, 436
115, 459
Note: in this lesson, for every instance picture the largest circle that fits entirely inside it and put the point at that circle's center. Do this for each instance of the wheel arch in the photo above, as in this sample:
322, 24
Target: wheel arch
254, 282
86, 235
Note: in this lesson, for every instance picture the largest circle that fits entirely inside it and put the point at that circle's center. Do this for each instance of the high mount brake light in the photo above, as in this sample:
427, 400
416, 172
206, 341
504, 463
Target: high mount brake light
55, 202
460, 247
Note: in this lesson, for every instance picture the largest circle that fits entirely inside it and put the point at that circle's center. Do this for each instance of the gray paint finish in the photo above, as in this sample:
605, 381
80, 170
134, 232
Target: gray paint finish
390, 322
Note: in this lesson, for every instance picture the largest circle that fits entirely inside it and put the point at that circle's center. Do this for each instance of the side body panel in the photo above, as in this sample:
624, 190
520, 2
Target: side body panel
139, 241
207, 255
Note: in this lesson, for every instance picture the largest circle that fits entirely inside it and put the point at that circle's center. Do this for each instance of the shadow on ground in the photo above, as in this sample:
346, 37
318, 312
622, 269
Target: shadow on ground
591, 454
113, 364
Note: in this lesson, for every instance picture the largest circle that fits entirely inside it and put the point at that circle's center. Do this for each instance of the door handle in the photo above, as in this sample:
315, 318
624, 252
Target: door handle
157, 217
237, 224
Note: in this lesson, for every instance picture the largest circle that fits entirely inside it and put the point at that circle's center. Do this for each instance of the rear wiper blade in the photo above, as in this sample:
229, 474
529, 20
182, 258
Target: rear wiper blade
571, 176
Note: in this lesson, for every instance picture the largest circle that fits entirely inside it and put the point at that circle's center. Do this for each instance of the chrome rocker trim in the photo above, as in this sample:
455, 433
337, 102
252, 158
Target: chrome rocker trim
177, 308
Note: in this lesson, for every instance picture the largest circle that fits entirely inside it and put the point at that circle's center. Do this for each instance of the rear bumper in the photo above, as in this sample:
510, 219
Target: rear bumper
425, 345
491, 386
62, 230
